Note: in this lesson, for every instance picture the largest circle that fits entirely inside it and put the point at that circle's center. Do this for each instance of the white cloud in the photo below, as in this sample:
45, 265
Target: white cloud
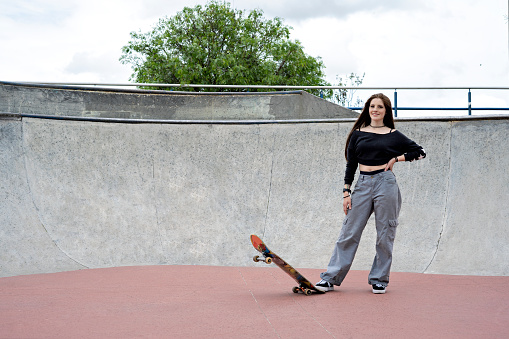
295, 11
92, 67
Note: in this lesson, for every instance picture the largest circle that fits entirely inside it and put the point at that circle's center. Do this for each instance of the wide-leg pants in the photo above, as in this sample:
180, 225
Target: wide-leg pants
378, 193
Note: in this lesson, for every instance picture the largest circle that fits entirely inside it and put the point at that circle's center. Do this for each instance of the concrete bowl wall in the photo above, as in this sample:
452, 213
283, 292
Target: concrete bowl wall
88, 194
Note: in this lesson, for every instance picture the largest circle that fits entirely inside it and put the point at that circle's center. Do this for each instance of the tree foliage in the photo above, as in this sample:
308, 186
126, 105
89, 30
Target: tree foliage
216, 44
345, 97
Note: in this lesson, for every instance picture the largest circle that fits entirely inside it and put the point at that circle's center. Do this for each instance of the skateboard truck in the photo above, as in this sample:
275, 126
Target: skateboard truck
267, 260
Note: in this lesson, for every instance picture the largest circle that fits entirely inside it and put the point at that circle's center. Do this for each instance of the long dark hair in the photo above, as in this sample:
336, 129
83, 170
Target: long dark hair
365, 120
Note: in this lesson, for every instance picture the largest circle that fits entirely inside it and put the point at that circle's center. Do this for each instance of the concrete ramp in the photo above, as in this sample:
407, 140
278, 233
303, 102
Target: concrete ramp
94, 102
89, 194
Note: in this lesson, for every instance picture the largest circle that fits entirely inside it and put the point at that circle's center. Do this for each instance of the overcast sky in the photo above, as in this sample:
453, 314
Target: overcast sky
394, 42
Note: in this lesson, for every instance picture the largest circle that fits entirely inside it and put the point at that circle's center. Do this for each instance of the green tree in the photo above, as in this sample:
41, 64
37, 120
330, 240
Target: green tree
345, 97
216, 44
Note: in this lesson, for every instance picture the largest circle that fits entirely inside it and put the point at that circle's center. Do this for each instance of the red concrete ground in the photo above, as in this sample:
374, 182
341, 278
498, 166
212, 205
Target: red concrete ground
246, 302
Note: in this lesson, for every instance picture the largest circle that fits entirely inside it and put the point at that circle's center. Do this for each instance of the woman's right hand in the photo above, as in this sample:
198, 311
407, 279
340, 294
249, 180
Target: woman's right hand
347, 204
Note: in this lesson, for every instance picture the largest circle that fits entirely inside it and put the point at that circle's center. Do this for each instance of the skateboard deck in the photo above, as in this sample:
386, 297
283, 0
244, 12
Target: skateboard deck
304, 286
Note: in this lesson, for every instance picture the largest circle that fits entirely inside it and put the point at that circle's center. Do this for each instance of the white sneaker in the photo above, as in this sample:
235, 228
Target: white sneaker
378, 288
324, 286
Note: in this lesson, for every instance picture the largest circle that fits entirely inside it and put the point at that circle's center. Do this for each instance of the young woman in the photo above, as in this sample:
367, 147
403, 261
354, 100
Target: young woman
373, 145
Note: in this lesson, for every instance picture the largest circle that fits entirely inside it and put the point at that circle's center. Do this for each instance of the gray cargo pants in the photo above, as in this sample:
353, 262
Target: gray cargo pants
377, 193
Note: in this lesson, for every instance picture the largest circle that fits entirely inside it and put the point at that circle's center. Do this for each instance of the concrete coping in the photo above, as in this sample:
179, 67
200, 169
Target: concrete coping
143, 91
18, 116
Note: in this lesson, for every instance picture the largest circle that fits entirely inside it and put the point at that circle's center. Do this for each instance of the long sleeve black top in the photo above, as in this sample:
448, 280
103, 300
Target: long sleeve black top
373, 149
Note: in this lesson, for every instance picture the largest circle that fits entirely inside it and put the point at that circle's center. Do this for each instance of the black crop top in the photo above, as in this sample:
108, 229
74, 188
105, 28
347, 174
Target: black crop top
373, 149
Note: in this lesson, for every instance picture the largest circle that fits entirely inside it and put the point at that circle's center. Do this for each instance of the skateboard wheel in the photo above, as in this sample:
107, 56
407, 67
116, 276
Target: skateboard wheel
295, 289
268, 260
256, 258
307, 292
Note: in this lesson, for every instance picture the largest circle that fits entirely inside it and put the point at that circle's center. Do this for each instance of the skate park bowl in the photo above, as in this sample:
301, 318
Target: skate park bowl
95, 178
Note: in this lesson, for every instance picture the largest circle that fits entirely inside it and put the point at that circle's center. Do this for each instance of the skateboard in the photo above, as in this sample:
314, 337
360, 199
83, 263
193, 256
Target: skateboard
270, 257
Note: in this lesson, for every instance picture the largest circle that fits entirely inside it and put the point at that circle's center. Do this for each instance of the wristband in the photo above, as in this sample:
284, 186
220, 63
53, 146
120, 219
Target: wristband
396, 159
346, 196
347, 190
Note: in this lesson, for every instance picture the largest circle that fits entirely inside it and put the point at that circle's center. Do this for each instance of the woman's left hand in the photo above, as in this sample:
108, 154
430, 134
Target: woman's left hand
390, 164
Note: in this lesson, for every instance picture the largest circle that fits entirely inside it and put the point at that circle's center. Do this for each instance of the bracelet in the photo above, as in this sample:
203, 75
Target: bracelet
347, 190
396, 159
348, 196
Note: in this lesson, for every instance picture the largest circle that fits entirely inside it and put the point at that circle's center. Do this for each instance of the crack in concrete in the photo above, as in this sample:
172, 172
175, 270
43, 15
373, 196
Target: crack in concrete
30, 194
162, 237
444, 217
270, 187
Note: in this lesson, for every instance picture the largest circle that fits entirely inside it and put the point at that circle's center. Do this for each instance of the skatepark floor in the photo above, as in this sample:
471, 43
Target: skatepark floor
247, 302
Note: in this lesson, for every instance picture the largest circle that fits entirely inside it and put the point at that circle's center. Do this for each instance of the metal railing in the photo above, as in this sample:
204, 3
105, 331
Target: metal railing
396, 108
468, 108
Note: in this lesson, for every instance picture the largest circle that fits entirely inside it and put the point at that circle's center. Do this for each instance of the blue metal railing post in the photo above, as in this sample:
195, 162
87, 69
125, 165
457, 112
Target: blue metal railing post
469, 102
321, 93
395, 102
